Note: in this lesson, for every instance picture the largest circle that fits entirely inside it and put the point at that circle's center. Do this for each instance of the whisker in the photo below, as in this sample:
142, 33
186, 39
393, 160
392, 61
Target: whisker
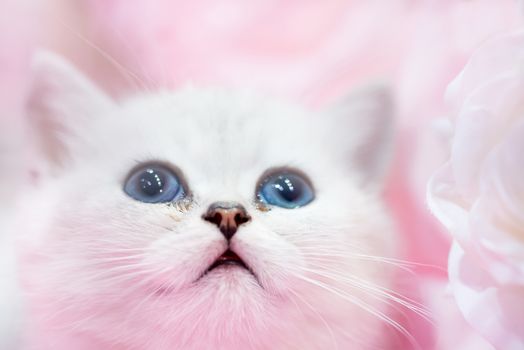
358, 302
128, 74
379, 291
322, 319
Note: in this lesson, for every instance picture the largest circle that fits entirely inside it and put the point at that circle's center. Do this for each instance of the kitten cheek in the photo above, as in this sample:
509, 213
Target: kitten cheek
180, 261
276, 263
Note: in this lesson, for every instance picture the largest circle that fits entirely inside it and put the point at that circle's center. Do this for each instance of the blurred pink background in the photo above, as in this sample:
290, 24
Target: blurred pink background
308, 51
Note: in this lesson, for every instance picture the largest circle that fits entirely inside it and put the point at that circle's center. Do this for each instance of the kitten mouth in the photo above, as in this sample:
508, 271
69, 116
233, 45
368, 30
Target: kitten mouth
229, 258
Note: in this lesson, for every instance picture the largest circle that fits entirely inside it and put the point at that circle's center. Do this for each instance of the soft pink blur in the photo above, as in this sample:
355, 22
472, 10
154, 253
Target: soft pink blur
309, 51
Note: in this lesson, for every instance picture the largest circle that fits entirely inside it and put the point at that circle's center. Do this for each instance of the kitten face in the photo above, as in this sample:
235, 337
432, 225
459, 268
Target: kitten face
129, 273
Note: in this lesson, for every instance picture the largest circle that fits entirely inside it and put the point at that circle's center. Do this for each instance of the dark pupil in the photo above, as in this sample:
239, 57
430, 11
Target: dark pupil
287, 189
151, 183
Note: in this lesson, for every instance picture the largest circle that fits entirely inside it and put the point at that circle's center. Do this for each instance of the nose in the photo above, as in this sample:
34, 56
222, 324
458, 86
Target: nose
227, 216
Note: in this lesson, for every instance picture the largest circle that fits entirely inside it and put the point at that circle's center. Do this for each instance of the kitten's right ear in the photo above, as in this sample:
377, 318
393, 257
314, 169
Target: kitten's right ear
362, 125
61, 102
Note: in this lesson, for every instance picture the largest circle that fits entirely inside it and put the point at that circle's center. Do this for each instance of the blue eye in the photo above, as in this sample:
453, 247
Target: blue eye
286, 189
154, 184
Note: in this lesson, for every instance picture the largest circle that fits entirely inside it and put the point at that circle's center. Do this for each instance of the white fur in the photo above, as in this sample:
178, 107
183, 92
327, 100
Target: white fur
92, 257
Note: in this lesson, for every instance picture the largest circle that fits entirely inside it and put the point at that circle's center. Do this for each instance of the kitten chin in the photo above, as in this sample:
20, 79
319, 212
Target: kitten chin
205, 218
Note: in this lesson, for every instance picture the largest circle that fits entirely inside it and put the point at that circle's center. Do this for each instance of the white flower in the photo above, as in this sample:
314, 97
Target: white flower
479, 194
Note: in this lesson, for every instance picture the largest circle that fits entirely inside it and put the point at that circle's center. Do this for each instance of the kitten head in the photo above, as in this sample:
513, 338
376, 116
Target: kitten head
205, 216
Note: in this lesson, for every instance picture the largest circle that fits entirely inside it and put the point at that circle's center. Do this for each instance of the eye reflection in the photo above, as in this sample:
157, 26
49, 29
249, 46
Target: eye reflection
285, 189
154, 184
151, 182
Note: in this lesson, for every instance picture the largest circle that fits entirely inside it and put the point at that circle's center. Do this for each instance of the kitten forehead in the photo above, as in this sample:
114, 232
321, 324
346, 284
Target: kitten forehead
215, 130
224, 116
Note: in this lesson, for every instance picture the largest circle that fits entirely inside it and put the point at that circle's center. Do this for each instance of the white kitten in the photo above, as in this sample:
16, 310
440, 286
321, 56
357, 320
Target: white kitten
204, 219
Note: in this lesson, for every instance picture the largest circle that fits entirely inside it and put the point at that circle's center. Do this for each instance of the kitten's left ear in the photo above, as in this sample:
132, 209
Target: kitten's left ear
61, 102
364, 124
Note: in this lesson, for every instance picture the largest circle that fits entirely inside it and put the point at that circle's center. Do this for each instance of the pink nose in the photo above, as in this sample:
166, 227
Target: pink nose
227, 216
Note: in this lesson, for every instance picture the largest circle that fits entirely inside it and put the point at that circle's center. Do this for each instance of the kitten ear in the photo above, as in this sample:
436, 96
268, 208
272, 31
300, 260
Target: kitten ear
61, 102
364, 122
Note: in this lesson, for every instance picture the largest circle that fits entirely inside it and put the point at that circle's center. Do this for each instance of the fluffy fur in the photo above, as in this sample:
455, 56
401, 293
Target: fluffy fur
103, 271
